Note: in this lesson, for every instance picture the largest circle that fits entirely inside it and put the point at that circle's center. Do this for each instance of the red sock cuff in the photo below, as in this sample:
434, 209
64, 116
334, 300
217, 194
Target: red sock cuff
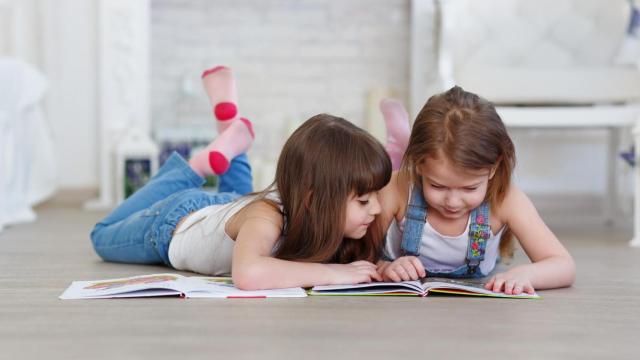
249, 126
212, 70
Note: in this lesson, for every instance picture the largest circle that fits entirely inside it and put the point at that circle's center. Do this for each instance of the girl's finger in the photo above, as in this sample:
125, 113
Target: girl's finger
497, 285
401, 273
382, 267
489, 284
508, 287
517, 289
375, 275
411, 271
381, 271
417, 264
392, 275
529, 289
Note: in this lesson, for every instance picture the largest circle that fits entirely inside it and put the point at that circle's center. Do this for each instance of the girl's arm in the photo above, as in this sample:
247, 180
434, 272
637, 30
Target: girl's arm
551, 264
392, 197
253, 267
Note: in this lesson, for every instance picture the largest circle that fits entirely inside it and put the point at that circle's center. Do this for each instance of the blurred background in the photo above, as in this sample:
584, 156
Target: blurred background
95, 91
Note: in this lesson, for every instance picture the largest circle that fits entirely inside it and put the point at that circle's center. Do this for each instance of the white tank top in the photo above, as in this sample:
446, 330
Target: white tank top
442, 253
200, 244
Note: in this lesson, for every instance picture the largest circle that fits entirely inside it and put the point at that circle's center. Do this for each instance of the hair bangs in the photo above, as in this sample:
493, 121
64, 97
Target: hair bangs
371, 172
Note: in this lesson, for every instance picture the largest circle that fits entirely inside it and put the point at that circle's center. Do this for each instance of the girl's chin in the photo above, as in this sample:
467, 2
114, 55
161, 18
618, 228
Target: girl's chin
452, 214
357, 235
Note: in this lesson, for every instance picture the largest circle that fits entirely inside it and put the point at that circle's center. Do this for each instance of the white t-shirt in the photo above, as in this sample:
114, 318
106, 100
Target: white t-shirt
200, 243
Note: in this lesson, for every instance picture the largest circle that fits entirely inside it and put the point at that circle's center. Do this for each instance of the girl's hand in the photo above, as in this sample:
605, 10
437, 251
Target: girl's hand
353, 273
512, 282
403, 269
382, 265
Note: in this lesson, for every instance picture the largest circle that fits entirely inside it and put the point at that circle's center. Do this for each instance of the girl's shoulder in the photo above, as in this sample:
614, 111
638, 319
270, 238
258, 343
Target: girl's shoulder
395, 195
262, 213
264, 208
513, 201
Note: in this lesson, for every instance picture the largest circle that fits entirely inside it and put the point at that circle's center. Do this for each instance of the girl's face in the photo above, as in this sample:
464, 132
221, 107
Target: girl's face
452, 191
361, 211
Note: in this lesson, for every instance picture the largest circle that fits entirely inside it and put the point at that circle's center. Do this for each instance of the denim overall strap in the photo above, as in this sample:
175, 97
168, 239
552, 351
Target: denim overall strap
479, 233
414, 220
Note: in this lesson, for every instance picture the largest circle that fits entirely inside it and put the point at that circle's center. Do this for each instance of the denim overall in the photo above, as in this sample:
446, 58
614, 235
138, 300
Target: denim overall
479, 233
140, 229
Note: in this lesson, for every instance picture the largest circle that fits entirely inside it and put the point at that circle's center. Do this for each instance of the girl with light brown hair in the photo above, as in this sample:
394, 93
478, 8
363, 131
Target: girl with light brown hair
452, 208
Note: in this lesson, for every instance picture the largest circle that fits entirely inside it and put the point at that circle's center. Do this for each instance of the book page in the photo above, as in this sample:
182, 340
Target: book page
465, 287
412, 287
222, 287
161, 284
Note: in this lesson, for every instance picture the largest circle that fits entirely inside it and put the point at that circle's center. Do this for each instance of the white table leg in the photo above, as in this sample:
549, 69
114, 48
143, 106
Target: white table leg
635, 241
611, 202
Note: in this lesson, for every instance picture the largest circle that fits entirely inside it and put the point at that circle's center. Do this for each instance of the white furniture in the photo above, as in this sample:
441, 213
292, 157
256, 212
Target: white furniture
27, 164
28, 171
545, 64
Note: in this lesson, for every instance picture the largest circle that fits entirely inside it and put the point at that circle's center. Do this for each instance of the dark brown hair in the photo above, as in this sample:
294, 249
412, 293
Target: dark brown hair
469, 132
323, 162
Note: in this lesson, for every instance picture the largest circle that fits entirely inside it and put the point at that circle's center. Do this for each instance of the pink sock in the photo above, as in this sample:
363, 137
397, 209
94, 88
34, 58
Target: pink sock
220, 85
396, 120
216, 157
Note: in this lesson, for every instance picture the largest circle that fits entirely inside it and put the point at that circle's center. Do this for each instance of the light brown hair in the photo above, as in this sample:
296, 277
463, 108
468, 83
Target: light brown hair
325, 161
469, 132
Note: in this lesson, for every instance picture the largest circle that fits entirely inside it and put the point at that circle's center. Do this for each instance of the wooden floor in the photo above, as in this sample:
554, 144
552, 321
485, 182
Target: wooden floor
597, 318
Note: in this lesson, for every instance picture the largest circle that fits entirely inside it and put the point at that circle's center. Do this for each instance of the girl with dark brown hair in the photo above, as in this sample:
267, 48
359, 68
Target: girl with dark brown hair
317, 223
454, 208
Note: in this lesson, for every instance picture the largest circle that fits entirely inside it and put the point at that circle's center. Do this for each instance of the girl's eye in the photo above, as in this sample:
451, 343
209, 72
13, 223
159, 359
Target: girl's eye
363, 202
470, 188
437, 186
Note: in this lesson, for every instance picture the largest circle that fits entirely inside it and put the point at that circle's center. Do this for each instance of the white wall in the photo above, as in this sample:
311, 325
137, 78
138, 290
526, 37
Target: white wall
69, 62
293, 59
58, 38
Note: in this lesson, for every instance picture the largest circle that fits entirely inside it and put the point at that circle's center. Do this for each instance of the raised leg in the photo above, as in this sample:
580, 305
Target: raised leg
174, 176
238, 179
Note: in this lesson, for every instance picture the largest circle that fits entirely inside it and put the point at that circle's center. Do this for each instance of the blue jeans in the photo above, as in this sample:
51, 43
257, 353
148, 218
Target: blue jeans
140, 229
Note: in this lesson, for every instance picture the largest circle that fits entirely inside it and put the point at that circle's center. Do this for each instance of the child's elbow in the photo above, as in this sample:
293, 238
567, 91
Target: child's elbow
570, 273
247, 278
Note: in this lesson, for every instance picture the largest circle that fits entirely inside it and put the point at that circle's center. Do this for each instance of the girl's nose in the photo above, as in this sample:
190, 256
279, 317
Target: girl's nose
376, 208
451, 200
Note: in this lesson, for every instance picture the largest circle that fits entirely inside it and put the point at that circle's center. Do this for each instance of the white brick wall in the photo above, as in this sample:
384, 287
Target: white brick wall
292, 58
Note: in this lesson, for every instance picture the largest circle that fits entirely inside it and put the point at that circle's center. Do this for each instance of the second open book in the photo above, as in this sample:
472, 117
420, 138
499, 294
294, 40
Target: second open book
422, 287
222, 287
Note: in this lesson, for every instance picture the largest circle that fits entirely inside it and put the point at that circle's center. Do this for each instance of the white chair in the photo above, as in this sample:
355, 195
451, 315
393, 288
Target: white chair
545, 64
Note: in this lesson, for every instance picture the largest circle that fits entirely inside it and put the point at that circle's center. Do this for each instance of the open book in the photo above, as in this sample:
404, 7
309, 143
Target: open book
169, 285
420, 287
